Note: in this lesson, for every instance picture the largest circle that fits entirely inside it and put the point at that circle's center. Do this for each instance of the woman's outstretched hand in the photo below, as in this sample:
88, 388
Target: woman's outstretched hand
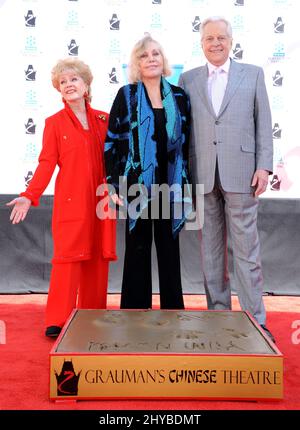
21, 206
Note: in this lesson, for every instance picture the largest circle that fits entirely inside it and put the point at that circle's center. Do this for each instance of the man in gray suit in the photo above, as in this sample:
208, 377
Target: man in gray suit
231, 153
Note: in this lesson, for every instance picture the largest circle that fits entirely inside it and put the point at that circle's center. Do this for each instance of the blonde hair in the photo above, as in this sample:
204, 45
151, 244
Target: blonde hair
78, 66
134, 69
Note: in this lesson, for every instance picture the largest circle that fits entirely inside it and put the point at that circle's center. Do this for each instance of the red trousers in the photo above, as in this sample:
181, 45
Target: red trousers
81, 284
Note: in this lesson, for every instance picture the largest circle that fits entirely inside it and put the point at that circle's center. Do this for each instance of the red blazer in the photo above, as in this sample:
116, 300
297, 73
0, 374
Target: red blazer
77, 232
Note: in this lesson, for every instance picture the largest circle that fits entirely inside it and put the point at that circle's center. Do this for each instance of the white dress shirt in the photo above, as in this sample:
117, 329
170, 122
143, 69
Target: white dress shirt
217, 82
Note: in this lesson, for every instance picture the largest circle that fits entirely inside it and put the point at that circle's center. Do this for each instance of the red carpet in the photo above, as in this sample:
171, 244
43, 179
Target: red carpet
24, 366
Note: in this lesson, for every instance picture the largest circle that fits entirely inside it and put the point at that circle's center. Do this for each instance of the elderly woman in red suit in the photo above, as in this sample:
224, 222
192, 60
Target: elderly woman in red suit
84, 244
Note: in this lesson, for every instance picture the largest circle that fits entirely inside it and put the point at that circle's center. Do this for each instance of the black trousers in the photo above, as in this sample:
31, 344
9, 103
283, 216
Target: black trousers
137, 276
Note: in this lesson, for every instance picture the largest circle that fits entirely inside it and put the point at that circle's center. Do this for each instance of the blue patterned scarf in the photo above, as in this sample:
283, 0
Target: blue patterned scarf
142, 147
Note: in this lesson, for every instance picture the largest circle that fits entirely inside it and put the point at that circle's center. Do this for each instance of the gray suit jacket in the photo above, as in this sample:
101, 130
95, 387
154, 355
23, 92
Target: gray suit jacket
240, 137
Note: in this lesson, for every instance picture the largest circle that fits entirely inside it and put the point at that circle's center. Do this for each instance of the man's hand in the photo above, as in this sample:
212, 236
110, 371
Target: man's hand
260, 181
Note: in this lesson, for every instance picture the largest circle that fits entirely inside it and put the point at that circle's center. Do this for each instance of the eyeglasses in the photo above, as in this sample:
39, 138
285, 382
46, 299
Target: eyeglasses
219, 39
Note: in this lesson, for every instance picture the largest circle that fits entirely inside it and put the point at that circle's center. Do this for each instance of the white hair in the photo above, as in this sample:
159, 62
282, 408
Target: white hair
216, 19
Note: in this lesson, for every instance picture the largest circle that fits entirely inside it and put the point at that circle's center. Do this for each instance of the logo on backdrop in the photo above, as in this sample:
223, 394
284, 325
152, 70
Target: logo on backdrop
238, 23
30, 45
277, 158
196, 24
281, 2
72, 19
114, 47
114, 22
73, 48
279, 26
275, 183
28, 178
30, 19
277, 102
277, 79
156, 21
67, 380
196, 48
31, 152
31, 98
276, 131
278, 53
113, 76
30, 73
156, 1
30, 126
237, 52
239, 3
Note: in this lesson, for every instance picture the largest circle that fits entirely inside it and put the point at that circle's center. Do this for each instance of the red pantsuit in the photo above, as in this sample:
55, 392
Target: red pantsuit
88, 278
83, 243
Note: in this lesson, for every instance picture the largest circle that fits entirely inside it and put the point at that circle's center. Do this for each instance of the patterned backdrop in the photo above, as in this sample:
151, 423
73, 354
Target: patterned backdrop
34, 34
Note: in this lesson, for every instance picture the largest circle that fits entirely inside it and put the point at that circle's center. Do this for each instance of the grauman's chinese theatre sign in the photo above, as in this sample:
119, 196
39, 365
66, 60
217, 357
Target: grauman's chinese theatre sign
164, 354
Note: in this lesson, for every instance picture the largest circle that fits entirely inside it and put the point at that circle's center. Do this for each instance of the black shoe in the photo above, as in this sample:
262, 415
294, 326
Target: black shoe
53, 331
267, 331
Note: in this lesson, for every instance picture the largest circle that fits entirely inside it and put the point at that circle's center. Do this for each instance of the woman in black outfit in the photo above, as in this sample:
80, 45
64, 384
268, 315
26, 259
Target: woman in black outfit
147, 142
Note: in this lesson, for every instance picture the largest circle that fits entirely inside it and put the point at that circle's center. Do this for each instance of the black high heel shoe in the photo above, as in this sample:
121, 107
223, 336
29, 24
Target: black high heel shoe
53, 331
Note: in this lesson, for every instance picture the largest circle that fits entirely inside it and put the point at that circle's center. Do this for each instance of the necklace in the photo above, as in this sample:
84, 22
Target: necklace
82, 119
